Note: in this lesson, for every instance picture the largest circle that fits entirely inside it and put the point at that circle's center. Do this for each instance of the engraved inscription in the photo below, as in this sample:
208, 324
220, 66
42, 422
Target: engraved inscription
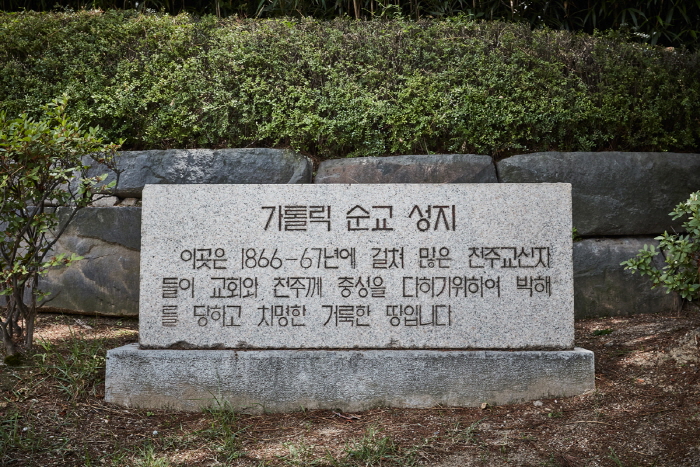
366, 266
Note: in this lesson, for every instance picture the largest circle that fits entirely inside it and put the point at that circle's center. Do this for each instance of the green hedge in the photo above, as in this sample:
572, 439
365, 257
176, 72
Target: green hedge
351, 88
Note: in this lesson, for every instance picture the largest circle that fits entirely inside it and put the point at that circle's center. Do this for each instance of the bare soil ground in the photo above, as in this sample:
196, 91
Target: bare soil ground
645, 411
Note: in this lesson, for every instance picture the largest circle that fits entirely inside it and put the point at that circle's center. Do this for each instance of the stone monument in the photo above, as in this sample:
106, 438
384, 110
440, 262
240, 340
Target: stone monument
281, 297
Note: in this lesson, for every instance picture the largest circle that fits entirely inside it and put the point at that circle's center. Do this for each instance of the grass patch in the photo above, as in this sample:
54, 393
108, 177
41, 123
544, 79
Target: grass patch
76, 367
226, 431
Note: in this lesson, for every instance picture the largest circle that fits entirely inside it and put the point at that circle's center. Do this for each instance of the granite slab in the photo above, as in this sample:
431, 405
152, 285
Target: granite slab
258, 381
414, 266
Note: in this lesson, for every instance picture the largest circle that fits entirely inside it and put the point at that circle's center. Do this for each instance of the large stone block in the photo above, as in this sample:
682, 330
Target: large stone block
478, 266
299, 279
614, 193
603, 288
288, 380
106, 281
435, 168
198, 166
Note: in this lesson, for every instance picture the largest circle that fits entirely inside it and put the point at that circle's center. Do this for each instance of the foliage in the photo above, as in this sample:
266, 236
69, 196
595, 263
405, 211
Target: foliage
40, 161
149, 458
466, 435
372, 449
226, 430
351, 88
77, 372
669, 22
681, 271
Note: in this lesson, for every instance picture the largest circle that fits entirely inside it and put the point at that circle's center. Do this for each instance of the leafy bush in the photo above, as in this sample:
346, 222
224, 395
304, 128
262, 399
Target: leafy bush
350, 88
40, 161
681, 253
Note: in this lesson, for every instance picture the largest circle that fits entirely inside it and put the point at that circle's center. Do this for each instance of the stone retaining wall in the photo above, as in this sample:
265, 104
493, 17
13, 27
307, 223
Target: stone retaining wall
620, 202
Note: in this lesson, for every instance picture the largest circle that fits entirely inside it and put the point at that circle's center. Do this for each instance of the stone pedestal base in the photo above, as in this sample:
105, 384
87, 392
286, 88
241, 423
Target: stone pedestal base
349, 380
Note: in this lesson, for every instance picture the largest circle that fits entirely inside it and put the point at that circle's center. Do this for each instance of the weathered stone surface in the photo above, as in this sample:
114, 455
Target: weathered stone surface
197, 166
130, 202
479, 266
105, 202
106, 281
435, 168
288, 380
614, 193
603, 288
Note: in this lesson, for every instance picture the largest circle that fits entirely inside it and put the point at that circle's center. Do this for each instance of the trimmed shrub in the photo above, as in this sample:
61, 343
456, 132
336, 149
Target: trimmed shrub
351, 88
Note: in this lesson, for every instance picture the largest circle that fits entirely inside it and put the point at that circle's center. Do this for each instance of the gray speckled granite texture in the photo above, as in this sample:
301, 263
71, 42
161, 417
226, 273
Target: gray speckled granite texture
206, 283
194, 166
289, 380
433, 168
